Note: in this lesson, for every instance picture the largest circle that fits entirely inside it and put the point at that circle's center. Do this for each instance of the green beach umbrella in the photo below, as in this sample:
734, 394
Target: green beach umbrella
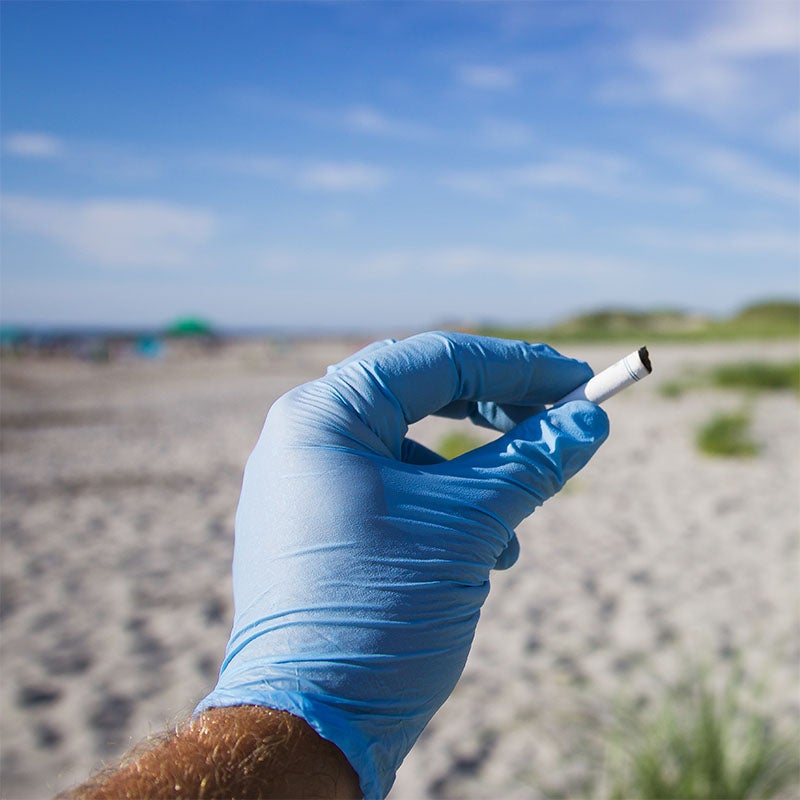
190, 327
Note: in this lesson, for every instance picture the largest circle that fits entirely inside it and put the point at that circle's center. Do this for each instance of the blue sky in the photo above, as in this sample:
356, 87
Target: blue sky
395, 165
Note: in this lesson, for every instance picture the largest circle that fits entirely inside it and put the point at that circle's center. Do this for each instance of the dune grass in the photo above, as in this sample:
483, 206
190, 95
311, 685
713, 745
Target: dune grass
757, 376
456, 443
770, 319
701, 745
748, 376
727, 434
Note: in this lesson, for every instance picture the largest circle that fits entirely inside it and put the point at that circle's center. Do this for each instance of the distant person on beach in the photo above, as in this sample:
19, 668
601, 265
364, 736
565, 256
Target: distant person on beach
361, 563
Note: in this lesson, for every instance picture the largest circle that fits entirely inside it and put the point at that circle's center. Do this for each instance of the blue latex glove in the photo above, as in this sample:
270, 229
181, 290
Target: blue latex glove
362, 559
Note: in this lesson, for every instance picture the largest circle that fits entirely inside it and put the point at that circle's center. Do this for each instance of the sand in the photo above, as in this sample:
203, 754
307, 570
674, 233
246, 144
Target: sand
119, 486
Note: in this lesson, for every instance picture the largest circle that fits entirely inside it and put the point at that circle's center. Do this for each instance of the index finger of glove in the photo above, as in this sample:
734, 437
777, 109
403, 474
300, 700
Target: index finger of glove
360, 354
425, 373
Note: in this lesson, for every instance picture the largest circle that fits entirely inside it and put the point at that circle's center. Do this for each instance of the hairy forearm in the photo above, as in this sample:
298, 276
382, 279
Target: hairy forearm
238, 752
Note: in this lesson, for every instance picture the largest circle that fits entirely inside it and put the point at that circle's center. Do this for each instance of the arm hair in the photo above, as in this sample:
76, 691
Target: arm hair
237, 752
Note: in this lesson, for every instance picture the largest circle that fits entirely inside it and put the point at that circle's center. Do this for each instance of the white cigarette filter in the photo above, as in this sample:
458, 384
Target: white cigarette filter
607, 383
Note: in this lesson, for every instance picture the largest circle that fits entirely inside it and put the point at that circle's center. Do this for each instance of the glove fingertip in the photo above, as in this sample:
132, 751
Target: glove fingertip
509, 555
582, 421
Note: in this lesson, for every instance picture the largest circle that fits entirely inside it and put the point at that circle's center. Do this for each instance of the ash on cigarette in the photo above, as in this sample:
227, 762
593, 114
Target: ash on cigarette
644, 356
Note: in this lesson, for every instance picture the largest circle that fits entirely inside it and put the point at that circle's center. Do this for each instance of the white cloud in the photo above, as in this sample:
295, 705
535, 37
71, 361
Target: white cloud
505, 134
585, 170
603, 173
115, 233
475, 261
487, 77
359, 118
742, 173
116, 163
785, 131
765, 243
694, 79
119, 163
30, 144
371, 121
91, 158
251, 166
305, 174
332, 176
744, 58
277, 261
579, 169
756, 28
486, 183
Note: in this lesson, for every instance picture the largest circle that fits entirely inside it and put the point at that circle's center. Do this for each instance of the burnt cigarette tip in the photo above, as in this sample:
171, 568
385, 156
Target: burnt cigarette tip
645, 359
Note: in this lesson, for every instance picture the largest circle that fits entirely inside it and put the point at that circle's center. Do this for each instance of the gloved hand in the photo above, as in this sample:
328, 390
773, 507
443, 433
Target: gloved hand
362, 559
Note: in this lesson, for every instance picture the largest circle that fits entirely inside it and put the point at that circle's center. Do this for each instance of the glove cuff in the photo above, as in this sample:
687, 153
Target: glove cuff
327, 721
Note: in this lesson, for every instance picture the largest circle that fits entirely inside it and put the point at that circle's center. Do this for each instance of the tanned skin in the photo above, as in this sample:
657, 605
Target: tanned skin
240, 752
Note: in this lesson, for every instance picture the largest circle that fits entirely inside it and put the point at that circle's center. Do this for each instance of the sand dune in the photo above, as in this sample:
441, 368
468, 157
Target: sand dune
119, 485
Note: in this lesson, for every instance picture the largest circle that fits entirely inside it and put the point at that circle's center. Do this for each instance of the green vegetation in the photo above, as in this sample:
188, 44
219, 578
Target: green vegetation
727, 434
456, 443
701, 745
679, 386
769, 316
772, 319
752, 376
757, 376
622, 324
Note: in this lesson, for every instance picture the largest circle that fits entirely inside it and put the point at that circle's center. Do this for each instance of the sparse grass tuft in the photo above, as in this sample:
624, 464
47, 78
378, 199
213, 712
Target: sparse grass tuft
456, 443
702, 745
751, 376
757, 376
679, 386
727, 434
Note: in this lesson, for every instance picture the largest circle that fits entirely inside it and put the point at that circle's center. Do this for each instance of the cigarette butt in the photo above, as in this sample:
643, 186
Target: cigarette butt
605, 384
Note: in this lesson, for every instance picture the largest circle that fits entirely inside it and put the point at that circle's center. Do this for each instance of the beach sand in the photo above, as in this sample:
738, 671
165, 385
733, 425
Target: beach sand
119, 487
